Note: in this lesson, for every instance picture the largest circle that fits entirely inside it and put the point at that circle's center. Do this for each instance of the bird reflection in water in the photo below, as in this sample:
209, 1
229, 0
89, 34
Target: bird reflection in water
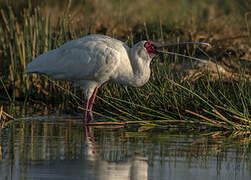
90, 141
134, 167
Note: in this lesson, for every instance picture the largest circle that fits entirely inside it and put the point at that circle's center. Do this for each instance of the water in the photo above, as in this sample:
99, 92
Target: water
58, 147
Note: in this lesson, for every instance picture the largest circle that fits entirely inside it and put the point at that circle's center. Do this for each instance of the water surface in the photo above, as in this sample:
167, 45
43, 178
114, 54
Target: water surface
58, 147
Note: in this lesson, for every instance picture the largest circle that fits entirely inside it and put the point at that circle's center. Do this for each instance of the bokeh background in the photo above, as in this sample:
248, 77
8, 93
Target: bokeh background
124, 16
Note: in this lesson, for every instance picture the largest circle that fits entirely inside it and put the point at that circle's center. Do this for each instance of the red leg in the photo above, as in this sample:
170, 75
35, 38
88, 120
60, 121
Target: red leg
91, 104
93, 98
86, 110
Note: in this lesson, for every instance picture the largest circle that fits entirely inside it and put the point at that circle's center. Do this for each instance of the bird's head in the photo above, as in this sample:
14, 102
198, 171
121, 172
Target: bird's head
146, 49
152, 48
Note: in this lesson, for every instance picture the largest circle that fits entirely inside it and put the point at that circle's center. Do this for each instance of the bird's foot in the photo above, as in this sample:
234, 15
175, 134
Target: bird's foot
87, 118
90, 117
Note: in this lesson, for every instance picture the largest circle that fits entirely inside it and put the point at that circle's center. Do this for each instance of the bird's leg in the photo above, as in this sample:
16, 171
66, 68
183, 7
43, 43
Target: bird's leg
86, 110
91, 104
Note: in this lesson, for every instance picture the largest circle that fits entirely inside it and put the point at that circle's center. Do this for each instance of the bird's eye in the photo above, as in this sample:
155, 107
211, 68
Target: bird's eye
147, 44
150, 48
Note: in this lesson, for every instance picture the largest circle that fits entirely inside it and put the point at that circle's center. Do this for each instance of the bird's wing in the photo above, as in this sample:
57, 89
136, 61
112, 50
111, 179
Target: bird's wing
77, 60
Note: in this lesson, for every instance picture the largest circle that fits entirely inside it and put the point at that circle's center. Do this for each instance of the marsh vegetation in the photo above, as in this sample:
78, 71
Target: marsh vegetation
180, 92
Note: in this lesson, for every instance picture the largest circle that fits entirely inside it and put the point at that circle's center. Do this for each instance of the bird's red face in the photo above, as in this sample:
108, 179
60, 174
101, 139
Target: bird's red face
150, 48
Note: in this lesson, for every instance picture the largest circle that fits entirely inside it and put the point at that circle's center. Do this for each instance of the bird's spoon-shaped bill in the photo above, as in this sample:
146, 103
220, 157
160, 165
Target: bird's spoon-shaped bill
177, 54
163, 45
160, 45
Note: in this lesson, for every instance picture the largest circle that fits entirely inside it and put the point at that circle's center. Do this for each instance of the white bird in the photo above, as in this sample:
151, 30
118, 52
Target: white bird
95, 59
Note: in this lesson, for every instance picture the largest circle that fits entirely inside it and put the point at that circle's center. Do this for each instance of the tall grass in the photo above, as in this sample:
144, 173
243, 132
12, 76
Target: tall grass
165, 101
20, 43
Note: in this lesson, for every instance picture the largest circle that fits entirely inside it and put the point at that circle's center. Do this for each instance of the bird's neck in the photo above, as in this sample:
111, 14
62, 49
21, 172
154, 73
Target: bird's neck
140, 70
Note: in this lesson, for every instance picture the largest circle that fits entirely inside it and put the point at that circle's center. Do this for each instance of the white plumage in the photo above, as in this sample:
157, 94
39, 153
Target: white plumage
95, 59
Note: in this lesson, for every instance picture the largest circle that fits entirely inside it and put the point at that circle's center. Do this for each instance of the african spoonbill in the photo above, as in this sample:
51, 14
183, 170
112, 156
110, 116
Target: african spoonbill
95, 59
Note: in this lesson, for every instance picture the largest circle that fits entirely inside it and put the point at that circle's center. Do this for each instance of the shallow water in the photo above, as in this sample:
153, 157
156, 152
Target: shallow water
58, 147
